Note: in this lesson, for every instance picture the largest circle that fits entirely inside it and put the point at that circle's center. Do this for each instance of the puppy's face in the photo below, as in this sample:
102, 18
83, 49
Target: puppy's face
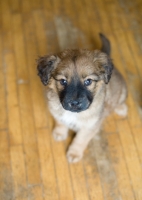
75, 75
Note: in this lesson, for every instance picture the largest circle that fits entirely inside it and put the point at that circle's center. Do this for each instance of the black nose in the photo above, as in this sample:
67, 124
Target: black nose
74, 103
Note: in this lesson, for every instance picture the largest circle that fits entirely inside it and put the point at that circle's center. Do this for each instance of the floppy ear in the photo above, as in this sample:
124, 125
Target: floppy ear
108, 70
45, 67
106, 65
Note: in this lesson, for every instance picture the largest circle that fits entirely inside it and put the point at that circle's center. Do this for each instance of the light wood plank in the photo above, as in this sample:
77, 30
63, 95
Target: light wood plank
79, 181
131, 11
57, 6
48, 172
38, 99
62, 170
137, 133
3, 109
128, 61
6, 179
36, 193
93, 180
82, 24
36, 4
19, 173
119, 164
102, 17
14, 5
19, 48
26, 110
131, 157
15, 131
135, 50
109, 124
50, 28
94, 25
40, 32
30, 145
6, 25
74, 33
99, 150
25, 7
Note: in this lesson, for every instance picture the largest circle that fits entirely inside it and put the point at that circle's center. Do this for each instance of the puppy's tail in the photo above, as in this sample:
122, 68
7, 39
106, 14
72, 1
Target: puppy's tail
106, 48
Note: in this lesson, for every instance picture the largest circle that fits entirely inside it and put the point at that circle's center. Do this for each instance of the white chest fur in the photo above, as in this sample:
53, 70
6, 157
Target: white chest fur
69, 119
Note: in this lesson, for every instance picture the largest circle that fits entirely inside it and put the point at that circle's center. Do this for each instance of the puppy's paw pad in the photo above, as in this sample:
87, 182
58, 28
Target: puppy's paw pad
74, 157
121, 110
59, 136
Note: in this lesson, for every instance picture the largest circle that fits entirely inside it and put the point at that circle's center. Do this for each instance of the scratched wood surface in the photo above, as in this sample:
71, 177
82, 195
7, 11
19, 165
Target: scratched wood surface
32, 165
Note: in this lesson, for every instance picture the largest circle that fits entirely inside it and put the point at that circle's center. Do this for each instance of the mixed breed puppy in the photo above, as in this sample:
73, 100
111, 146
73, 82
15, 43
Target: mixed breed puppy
81, 92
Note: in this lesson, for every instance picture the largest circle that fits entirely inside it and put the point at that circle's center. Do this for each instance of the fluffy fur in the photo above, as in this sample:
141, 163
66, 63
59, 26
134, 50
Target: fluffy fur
81, 93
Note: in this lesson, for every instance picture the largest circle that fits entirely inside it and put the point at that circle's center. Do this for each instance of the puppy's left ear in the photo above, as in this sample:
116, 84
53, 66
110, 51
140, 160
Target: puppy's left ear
45, 67
105, 64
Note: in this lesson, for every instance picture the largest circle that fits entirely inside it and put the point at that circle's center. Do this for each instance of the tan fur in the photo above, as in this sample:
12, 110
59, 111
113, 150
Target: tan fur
107, 97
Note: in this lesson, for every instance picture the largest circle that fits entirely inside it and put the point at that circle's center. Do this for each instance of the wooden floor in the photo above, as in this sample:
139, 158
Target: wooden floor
32, 165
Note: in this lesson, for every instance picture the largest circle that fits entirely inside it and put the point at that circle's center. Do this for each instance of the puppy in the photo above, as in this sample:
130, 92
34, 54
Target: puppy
81, 92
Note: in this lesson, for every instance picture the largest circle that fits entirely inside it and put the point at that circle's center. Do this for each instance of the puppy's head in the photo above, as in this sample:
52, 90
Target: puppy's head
75, 75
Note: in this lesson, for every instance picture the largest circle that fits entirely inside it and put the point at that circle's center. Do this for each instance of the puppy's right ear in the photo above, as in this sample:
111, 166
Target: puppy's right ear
45, 67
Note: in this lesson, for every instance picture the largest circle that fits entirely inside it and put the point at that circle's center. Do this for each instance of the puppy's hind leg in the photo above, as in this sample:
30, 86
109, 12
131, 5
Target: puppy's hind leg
121, 110
60, 132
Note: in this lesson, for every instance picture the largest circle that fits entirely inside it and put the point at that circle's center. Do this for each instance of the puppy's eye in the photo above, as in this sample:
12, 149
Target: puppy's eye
87, 82
63, 82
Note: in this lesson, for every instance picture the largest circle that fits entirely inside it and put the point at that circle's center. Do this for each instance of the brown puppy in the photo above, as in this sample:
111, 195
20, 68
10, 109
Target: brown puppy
81, 94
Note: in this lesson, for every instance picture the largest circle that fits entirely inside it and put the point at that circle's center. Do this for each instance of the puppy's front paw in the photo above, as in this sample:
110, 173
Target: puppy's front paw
74, 156
59, 134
